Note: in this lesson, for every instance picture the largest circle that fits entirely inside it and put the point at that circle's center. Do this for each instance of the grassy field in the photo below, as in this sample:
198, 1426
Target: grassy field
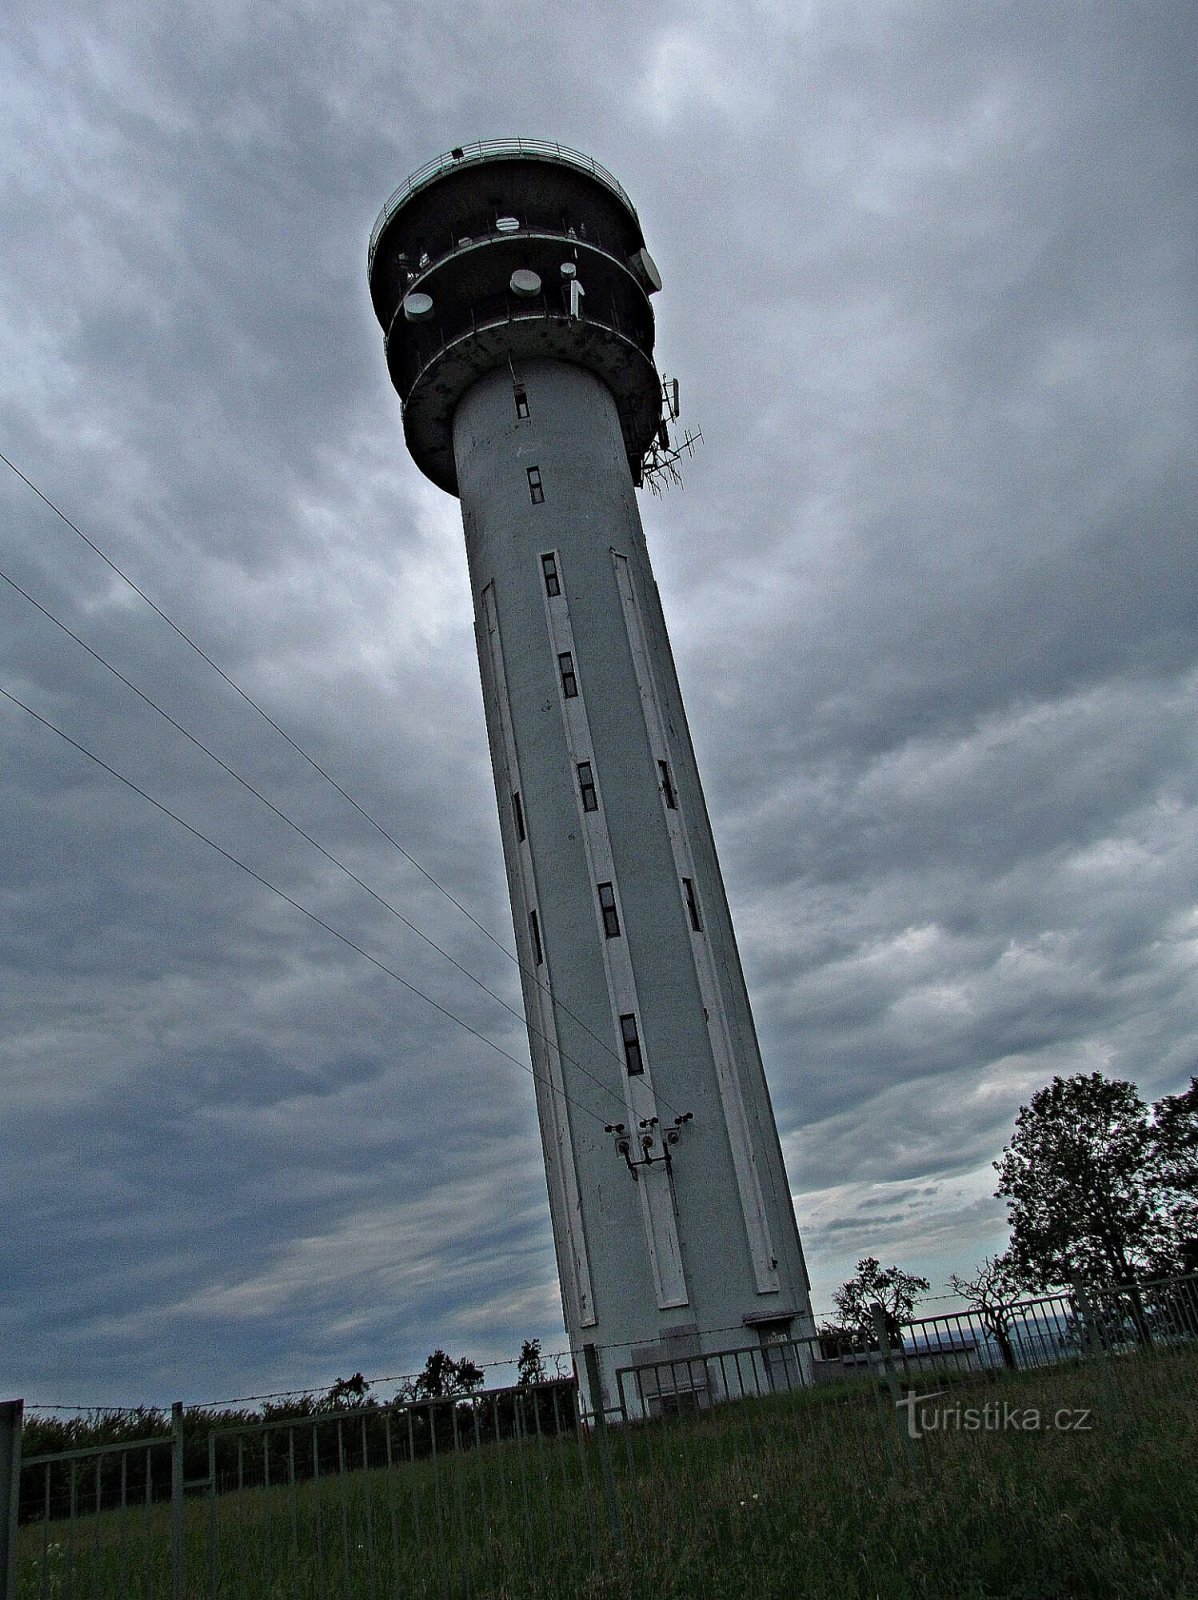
800, 1497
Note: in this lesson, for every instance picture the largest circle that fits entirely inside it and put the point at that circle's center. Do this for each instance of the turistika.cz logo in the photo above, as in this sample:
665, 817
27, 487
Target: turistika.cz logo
996, 1416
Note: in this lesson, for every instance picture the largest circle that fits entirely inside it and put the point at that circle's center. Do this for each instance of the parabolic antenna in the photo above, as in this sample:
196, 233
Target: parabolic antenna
417, 307
643, 264
525, 283
507, 224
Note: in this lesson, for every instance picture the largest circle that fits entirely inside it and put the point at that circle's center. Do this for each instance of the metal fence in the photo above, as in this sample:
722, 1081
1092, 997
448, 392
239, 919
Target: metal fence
735, 1461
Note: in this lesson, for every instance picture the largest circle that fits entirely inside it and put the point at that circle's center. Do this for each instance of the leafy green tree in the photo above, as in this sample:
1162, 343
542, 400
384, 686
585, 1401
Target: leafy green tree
345, 1394
1076, 1180
443, 1376
890, 1287
989, 1294
530, 1368
1173, 1169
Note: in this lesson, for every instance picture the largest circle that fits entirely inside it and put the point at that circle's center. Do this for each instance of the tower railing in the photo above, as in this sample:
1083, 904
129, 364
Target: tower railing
485, 150
590, 241
429, 339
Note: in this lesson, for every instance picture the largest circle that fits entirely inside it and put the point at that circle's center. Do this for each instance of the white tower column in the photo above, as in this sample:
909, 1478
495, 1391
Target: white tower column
672, 1219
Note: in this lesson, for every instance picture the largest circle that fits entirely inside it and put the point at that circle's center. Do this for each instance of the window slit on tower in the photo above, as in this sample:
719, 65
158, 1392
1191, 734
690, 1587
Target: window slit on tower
692, 905
607, 905
569, 682
534, 928
632, 1044
535, 487
553, 584
667, 786
521, 398
518, 814
586, 787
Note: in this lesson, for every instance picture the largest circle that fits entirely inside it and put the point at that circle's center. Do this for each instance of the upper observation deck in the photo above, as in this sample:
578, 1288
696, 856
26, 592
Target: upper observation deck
510, 249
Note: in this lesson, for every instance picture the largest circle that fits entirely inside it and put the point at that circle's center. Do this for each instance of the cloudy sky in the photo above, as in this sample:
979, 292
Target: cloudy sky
930, 292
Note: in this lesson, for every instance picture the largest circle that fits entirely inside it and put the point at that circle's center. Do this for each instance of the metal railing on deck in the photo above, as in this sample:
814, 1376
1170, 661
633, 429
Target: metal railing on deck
485, 150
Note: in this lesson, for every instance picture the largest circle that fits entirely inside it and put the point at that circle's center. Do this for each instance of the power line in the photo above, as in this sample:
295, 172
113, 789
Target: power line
283, 895
528, 972
327, 854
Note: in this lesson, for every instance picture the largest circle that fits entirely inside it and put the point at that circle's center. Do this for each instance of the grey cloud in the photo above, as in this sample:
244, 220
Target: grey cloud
929, 288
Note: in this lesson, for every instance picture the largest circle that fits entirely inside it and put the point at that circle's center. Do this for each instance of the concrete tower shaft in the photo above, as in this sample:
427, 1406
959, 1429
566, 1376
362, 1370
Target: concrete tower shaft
672, 1218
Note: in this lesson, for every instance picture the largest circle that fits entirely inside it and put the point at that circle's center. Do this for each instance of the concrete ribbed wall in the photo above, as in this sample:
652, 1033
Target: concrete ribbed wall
636, 1259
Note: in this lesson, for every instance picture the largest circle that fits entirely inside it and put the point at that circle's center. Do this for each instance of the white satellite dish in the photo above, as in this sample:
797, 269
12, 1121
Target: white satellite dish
416, 307
525, 283
568, 269
643, 264
507, 224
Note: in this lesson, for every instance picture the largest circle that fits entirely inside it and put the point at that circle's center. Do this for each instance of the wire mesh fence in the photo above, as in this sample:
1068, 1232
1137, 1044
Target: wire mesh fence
101, 1520
789, 1467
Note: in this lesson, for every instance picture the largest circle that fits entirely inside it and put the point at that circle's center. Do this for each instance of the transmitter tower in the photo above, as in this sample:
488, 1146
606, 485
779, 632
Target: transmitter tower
513, 287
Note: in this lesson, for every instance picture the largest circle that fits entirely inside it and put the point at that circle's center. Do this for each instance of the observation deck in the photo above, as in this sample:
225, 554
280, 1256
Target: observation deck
505, 250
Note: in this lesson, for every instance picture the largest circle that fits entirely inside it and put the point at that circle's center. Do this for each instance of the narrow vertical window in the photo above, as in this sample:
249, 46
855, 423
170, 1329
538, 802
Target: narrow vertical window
520, 395
569, 682
692, 905
535, 487
553, 584
586, 787
518, 815
632, 1045
534, 928
607, 905
667, 786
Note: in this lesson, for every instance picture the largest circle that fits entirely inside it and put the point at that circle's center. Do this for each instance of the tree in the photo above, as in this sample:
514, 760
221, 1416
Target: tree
1173, 1169
989, 1295
530, 1368
444, 1376
1075, 1177
889, 1287
345, 1393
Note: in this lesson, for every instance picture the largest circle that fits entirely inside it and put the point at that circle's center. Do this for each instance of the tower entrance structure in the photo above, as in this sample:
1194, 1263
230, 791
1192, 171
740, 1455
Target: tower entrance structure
513, 287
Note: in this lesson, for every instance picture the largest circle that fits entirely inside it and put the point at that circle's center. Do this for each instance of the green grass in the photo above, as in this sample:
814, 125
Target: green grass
799, 1497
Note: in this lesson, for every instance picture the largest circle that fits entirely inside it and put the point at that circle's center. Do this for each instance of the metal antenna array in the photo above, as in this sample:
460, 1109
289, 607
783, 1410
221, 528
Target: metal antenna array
659, 466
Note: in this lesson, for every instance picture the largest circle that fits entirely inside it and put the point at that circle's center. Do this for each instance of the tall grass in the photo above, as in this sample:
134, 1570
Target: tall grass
809, 1495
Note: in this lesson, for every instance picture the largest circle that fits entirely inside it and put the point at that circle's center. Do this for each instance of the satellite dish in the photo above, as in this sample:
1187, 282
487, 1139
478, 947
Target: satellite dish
643, 264
568, 269
525, 283
418, 307
507, 224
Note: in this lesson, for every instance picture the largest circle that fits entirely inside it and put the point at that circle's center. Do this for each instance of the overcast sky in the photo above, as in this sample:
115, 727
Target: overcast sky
930, 292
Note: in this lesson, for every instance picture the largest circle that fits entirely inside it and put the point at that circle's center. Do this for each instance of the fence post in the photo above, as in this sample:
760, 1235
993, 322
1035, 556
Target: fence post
883, 1338
1095, 1344
177, 1500
1095, 1341
590, 1358
212, 1586
11, 1416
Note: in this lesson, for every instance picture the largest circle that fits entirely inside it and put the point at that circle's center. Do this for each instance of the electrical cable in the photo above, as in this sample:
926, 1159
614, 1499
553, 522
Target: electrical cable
528, 972
283, 895
327, 854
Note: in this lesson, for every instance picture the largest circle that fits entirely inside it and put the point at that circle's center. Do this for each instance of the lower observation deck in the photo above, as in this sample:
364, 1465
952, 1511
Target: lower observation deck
516, 330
